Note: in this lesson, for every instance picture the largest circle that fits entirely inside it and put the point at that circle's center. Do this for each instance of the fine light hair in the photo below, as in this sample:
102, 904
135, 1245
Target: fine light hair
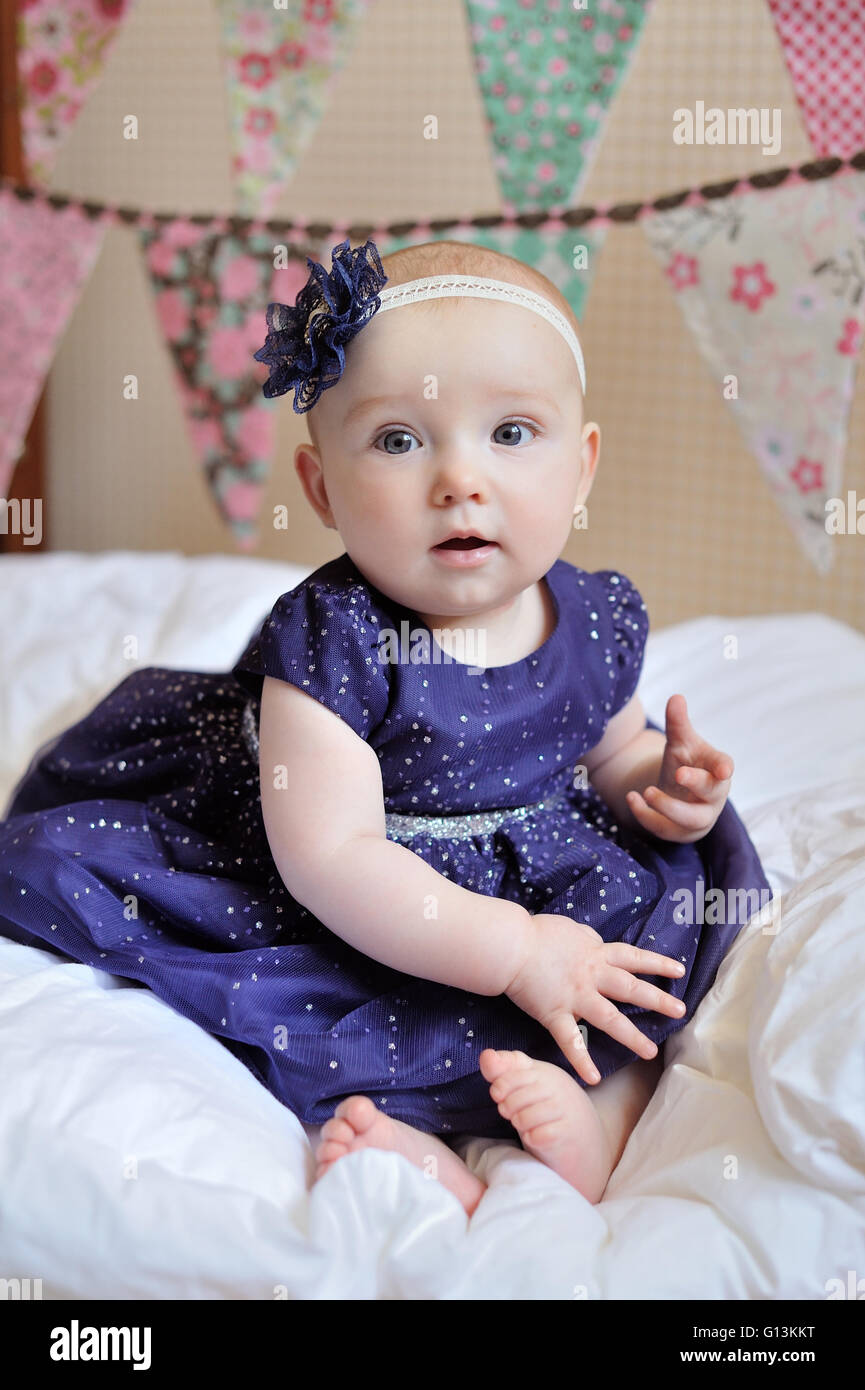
464, 258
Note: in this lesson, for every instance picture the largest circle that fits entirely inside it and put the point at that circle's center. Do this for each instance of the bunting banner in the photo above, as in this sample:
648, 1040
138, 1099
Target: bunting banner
62, 50
772, 286
548, 74
824, 48
566, 255
279, 63
211, 291
771, 281
46, 257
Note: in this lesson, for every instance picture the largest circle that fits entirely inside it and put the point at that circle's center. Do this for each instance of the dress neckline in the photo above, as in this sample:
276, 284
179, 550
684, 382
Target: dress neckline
551, 578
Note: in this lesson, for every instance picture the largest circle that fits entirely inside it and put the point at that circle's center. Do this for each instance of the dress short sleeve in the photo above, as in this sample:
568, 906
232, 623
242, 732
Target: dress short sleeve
318, 637
628, 625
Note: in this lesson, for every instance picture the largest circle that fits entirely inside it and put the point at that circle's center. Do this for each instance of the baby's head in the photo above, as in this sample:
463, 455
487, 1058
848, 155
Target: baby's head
453, 414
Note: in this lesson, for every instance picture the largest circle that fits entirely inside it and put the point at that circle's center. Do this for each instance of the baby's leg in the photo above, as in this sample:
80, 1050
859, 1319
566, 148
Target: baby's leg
579, 1133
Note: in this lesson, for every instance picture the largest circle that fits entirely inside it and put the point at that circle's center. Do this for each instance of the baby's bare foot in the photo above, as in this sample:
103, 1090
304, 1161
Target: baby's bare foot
357, 1124
555, 1119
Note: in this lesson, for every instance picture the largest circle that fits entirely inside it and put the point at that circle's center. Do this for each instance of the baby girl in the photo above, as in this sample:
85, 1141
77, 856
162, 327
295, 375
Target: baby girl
419, 897
451, 453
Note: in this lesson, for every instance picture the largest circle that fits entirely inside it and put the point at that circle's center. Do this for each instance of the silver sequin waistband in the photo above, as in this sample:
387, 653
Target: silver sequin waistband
460, 827
463, 827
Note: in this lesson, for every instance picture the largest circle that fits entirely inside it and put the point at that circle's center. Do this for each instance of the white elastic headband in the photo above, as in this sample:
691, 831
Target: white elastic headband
476, 287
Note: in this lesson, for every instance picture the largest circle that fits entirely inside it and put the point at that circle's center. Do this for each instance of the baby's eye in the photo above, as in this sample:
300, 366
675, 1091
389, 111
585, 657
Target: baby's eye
402, 438
510, 425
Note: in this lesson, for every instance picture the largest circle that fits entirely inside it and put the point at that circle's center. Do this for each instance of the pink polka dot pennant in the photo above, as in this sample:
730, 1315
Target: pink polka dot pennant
824, 45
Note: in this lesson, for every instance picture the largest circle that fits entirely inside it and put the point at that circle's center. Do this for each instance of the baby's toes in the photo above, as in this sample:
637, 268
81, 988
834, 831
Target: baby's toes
351, 1117
518, 1096
357, 1113
496, 1066
506, 1088
514, 1069
336, 1131
329, 1149
539, 1122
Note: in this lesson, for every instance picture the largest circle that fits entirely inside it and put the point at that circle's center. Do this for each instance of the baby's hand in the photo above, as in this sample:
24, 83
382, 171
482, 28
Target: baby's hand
693, 784
570, 972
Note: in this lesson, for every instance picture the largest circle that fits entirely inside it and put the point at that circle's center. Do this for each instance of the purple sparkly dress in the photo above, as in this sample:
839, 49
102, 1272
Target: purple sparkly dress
135, 843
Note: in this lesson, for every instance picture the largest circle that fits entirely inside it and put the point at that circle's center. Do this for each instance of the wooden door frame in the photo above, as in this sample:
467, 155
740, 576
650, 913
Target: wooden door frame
29, 476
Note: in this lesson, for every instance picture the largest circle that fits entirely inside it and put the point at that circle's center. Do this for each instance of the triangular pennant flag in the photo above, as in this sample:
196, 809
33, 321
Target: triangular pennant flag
62, 50
211, 291
772, 286
280, 61
46, 256
568, 256
824, 46
548, 77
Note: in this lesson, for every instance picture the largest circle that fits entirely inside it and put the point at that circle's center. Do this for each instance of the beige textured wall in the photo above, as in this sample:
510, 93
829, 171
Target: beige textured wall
678, 503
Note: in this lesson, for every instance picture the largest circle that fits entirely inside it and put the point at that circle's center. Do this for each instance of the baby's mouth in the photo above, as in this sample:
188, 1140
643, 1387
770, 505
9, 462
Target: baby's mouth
463, 543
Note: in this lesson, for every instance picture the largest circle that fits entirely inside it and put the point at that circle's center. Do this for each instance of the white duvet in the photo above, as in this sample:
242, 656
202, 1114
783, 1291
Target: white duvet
140, 1159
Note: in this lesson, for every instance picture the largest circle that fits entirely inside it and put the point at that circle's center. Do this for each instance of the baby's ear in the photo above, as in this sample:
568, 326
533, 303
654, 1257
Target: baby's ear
307, 466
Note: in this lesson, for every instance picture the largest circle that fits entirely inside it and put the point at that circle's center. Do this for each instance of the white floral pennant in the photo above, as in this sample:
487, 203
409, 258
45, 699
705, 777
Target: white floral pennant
771, 283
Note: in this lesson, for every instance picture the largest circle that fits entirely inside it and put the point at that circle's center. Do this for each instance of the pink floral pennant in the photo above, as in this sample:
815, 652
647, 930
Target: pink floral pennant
212, 290
771, 283
824, 46
280, 63
46, 256
62, 50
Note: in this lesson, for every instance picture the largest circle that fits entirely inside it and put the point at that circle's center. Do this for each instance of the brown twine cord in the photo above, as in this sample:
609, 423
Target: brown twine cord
619, 213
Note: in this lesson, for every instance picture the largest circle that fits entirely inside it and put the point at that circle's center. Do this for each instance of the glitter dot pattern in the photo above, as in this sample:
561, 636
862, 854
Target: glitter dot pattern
135, 843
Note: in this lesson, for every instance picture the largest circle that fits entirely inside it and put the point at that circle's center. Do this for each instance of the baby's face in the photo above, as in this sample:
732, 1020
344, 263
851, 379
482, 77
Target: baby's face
460, 415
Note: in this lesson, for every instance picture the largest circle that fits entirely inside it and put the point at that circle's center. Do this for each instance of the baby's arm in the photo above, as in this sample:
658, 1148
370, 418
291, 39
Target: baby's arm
627, 758
326, 829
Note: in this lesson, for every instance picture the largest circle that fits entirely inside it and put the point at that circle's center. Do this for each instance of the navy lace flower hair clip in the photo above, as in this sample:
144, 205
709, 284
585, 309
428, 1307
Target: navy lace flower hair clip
305, 344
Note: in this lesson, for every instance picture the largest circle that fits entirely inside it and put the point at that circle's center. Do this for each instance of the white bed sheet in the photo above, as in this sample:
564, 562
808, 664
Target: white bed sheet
140, 1159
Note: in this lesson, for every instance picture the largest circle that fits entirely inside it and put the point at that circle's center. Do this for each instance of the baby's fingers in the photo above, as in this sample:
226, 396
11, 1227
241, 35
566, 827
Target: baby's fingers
604, 1015
566, 1033
621, 984
690, 815
641, 962
650, 819
700, 783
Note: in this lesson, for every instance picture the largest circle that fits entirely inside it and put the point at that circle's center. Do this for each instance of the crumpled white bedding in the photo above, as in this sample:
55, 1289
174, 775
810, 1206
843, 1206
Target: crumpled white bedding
140, 1159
